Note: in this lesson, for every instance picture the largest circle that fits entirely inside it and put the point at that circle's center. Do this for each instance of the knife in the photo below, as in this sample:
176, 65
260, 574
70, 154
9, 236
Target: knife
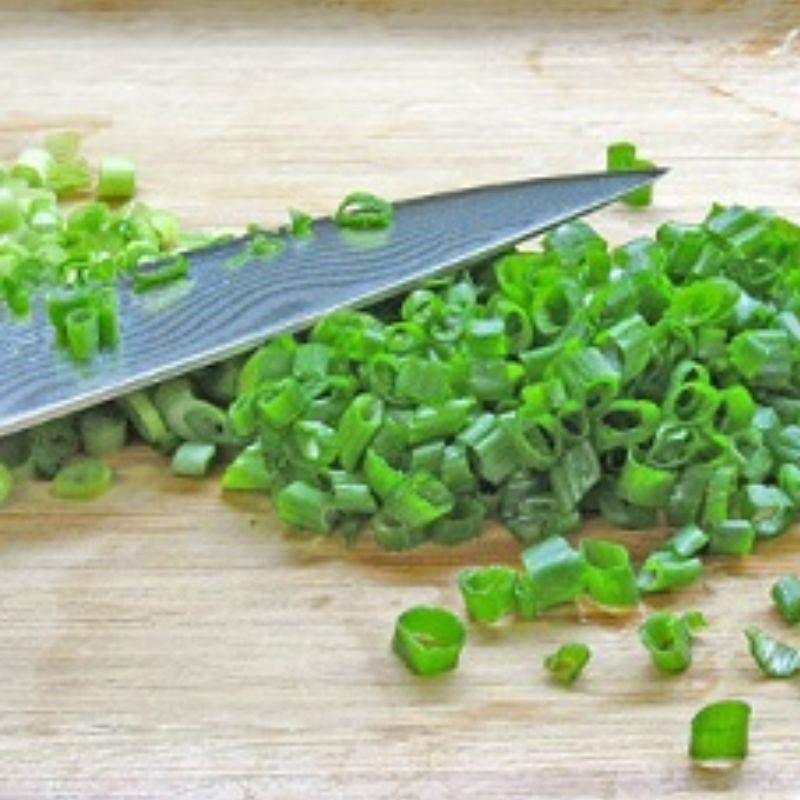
220, 312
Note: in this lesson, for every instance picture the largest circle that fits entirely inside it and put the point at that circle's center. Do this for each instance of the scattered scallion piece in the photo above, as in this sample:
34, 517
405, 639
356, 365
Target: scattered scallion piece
300, 224
568, 662
193, 459
149, 277
82, 479
488, 592
116, 179
663, 571
622, 157
428, 639
786, 595
608, 573
103, 430
553, 574
774, 658
720, 732
6, 483
668, 639
363, 211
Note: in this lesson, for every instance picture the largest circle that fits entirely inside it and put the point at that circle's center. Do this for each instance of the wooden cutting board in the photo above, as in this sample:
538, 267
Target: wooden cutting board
165, 642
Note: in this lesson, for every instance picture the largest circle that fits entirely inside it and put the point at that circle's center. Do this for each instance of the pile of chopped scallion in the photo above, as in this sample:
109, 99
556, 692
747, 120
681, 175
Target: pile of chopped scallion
657, 381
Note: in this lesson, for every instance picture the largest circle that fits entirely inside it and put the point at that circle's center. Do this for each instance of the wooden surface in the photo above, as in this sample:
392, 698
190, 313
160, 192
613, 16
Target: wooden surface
165, 643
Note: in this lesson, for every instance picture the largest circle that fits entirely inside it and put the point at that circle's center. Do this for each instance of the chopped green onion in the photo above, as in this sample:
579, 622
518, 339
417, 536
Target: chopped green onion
53, 445
145, 418
363, 211
419, 500
554, 573
610, 579
687, 541
720, 732
668, 639
786, 595
82, 479
305, 507
621, 157
429, 640
193, 459
768, 508
248, 471
663, 571
568, 662
83, 333
6, 483
116, 179
149, 277
359, 424
103, 429
488, 592
300, 224
733, 537
774, 658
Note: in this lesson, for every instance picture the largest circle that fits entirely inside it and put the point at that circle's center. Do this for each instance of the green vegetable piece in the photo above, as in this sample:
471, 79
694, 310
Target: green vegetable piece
304, 507
116, 179
248, 471
733, 537
154, 276
720, 732
193, 459
146, 419
644, 485
588, 376
786, 595
568, 662
668, 639
609, 575
775, 659
574, 475
6, 483
626, 423
621, 157
419, 500
281, 403
357, 428
554, 571
789, 482
82, 479
687, 541
53, 445
300, 224
103, 430
10, 214
488, 592
429, 640
663, 571
463, 523
364, 211
83, 333
769, 509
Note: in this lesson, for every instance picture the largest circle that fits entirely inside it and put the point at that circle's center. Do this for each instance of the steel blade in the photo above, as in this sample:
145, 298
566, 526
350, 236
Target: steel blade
220, 311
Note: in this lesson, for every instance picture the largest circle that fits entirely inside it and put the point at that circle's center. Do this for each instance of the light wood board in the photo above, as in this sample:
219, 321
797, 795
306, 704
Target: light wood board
164, 642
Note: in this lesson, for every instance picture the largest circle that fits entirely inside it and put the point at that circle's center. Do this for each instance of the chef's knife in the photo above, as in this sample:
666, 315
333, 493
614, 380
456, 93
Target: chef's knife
219, 311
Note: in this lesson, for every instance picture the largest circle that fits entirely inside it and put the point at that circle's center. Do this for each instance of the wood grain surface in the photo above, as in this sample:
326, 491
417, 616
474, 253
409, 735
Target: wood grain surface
164, 642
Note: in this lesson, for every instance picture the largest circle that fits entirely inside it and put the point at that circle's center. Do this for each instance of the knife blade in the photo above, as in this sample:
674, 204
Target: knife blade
219, 312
